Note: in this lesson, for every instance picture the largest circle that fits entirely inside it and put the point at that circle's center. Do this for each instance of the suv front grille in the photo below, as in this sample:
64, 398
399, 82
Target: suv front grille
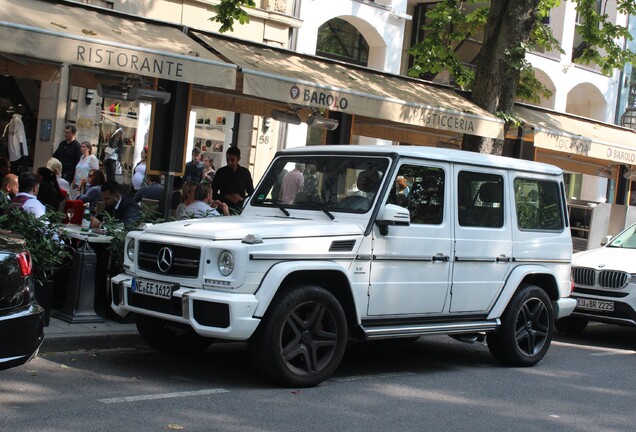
185, 259
604, 278
613, 279
584, 276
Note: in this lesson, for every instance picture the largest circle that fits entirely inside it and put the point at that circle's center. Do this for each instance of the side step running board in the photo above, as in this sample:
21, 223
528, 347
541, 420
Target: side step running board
399, 331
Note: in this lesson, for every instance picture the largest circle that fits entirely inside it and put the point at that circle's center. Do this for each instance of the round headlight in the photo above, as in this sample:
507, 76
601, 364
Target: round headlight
226, 263
130, 250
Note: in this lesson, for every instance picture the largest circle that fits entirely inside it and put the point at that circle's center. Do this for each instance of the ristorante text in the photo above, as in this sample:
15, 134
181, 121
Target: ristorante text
130, 62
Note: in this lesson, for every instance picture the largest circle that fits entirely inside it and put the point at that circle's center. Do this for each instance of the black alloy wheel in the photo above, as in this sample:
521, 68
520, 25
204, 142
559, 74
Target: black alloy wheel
302, 339
526, 329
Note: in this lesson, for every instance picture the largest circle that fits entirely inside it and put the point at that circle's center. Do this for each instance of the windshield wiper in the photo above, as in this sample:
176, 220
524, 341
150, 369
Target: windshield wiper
323, 208
283, 209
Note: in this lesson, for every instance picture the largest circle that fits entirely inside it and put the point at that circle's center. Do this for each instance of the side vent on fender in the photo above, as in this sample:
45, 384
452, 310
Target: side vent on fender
342, 246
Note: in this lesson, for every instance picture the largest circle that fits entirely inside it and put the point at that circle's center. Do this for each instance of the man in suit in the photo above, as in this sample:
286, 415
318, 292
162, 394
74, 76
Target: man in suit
116, 204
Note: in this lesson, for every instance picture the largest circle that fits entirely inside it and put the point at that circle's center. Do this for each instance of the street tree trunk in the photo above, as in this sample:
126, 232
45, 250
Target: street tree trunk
498, 65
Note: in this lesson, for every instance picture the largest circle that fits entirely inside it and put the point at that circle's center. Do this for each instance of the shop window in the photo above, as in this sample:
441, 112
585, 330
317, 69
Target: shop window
212, 133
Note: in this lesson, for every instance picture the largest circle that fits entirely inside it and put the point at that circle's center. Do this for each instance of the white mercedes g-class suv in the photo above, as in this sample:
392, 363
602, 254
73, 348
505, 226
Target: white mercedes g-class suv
364, 242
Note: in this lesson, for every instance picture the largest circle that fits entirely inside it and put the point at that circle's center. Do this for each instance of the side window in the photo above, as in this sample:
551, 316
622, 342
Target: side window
421, 190
480, 199
538, 205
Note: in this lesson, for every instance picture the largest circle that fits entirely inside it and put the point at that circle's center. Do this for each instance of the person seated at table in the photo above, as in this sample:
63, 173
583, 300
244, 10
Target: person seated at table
49, 192
187, 193
203, 206
177, 195
153, 190
96, 179
26, 198
117, 205
9, 187
56, 166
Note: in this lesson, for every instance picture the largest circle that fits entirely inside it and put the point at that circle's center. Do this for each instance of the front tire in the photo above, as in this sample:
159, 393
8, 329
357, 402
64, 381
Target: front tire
526, 328
171, 338
301, 339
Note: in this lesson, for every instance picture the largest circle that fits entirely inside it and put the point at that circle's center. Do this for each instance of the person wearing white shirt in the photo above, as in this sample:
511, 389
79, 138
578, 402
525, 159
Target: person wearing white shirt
26, 198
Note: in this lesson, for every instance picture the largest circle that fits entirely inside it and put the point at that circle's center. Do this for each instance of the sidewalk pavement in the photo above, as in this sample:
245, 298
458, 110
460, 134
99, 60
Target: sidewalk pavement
63, 336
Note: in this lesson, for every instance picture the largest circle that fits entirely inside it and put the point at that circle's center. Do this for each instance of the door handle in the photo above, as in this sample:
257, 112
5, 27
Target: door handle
503, 258
440, 257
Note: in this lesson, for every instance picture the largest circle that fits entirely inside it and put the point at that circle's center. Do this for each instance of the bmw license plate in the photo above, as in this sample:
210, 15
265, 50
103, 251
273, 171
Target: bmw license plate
153, 288
596, 305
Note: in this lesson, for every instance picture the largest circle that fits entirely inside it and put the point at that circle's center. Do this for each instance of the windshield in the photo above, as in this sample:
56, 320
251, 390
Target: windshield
626, 239
328, 183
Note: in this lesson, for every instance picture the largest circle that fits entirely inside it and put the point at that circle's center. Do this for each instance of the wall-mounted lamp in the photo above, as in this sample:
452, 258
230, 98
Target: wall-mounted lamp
629, 175
286, 116
88, 97
605, 172
317, 120
123, 92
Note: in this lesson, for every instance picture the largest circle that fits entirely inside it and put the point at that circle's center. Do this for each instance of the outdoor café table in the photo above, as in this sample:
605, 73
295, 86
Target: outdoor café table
81, 304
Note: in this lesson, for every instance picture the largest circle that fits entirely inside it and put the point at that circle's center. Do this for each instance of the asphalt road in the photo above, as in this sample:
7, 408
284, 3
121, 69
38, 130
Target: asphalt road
585, 383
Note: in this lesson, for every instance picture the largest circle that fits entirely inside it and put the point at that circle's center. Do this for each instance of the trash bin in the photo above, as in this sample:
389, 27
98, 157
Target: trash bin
79, 306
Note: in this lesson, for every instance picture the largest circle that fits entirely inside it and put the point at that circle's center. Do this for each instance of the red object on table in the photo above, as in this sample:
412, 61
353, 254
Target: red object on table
78, 206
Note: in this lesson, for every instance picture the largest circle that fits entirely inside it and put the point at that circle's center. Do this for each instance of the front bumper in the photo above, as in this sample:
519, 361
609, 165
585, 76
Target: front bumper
563, 307
210, 313
624, 312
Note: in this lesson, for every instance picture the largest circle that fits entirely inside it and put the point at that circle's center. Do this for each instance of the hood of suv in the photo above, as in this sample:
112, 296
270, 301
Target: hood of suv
237, 227
607, 258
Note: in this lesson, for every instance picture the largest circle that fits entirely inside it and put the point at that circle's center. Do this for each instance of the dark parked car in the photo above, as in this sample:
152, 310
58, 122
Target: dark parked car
21, 318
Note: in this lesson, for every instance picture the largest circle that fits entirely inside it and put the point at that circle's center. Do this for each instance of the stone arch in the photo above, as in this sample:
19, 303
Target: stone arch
586, 100
545, 79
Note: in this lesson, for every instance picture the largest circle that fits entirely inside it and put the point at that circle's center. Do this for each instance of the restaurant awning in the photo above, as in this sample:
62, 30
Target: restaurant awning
71, 33
578, 136
296, 79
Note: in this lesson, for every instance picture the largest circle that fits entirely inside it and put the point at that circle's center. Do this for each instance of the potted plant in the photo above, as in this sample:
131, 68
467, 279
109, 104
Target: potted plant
48, 253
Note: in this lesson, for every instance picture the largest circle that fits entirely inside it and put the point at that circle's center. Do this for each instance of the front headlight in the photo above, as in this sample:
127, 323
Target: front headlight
130, 250
226, 263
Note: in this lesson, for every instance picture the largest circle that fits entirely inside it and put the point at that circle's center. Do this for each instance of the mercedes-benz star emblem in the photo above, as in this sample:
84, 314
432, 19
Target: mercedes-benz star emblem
164, 259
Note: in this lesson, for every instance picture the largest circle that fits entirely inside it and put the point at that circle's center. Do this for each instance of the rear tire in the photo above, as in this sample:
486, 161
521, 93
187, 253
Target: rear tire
526, 328
301, 339
171, 338
571, 325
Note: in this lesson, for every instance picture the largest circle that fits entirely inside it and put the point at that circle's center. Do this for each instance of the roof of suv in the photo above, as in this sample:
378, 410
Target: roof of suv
456, 156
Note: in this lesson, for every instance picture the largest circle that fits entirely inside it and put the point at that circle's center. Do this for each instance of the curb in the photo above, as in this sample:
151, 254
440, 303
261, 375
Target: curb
90, 342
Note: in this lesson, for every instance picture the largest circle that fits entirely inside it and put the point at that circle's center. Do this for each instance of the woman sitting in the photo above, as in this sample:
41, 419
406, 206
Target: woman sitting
93, 185
49, 192
187, 192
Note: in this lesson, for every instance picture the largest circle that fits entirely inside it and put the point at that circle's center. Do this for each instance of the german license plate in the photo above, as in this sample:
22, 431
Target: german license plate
152, 288
597, 305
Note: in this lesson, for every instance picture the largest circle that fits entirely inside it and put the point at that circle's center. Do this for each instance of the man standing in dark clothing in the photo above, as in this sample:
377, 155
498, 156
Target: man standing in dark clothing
68, 152
232, 183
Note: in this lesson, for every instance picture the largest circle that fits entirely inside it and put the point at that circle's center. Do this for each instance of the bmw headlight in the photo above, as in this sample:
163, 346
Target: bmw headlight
130, 250
226, 263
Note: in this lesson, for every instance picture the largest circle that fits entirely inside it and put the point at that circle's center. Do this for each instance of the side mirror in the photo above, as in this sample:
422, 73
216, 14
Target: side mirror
605, 240
392, 214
